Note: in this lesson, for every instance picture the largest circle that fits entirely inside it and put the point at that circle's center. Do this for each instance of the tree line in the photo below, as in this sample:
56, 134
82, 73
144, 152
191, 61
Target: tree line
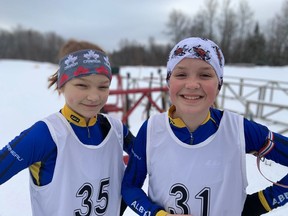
242, 39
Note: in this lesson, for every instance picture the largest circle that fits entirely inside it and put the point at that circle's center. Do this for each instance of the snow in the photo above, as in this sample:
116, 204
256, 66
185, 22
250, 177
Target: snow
26, 99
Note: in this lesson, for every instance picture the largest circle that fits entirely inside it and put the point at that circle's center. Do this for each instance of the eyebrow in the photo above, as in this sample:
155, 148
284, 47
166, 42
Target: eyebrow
180, 67
202, 67
106, 82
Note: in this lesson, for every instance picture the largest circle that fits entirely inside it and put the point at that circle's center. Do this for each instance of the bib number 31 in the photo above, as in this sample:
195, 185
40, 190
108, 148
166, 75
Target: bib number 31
181, 194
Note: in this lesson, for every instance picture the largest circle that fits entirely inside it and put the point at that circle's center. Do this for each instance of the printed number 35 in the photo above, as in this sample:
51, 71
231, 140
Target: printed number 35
86, 192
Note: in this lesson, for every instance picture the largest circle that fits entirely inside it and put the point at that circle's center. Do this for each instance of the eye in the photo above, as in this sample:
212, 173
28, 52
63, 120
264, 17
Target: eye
104, 87
206, 75
81, 85
180, 74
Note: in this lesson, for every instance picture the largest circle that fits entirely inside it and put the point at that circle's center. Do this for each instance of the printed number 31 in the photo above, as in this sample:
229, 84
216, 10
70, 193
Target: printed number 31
181, 194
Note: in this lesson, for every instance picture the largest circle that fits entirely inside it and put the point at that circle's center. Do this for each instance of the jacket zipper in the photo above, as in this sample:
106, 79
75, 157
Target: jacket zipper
191, 138
88, 130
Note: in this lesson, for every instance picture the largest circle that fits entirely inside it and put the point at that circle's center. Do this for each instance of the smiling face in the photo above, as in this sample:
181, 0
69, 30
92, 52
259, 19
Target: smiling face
193, 87
86, 95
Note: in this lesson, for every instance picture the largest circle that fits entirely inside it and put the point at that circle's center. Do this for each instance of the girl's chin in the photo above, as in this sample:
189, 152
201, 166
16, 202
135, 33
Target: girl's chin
191, 111
88, 115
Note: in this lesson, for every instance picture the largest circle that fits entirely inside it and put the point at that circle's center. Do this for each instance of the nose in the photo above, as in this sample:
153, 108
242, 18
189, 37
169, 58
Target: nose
93, 96
192, 83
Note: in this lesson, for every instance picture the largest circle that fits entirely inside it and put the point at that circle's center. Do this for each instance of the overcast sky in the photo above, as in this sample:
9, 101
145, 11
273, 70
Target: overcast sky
107, 22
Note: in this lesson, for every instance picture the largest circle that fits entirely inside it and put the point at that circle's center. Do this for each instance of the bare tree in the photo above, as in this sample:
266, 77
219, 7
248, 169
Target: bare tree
177, 26
202, 24
278, 37
198, 26
52, 45
210, 12
245, 18
6, 40
130, 53
254, 47
157, 54
227, 28
30, 45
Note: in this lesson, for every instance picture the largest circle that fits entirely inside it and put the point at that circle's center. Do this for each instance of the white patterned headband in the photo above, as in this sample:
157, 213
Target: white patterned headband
83, 63
199, 48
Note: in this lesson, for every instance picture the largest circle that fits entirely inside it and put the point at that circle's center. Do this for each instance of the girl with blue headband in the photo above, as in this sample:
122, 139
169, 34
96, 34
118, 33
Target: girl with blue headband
75, 156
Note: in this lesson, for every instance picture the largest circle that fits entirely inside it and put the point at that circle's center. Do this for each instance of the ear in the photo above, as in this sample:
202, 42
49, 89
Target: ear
219, 87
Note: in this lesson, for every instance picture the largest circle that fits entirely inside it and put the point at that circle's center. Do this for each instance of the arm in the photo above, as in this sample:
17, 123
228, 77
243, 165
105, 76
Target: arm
134, 178
128, 140
24, 150
273, 196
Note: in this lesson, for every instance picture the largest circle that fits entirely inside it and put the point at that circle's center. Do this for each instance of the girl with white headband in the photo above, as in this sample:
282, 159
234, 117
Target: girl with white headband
75, 156
194, 154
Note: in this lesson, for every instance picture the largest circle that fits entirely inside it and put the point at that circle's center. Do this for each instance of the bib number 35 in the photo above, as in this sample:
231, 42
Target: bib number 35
98, 206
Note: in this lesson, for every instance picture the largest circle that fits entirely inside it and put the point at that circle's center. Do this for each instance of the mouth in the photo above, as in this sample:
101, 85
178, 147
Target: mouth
91, 105
187, 97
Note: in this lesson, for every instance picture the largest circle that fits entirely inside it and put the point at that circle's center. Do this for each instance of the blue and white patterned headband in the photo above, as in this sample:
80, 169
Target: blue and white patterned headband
83, 63
199, 48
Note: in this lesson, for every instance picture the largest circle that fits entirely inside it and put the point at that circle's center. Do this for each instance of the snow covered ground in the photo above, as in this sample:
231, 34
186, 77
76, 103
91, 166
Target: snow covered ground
26, 99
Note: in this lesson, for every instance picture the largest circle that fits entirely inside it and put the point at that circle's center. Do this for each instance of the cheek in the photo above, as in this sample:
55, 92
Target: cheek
104, 100
103, 96
173, 87
70, 98
107, 94
172, 93
212, 91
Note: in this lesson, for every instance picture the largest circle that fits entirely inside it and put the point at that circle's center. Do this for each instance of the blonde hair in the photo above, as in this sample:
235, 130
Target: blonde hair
69, 47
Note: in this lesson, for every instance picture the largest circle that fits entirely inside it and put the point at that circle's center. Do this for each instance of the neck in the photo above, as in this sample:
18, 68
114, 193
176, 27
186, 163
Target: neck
191, 121
77, 119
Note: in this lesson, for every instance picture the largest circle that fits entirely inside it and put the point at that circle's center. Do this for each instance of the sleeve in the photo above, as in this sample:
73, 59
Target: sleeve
128, 140
256, 136
24, 150
253, 206
134, 177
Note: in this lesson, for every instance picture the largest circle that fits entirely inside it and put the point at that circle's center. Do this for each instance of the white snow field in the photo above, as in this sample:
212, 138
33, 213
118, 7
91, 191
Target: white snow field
26, 99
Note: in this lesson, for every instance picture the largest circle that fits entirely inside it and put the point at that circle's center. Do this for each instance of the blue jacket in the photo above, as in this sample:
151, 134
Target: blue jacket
35, 148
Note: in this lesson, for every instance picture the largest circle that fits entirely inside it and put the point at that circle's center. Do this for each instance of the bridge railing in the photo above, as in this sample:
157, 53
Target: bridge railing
255, 98
265, 100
